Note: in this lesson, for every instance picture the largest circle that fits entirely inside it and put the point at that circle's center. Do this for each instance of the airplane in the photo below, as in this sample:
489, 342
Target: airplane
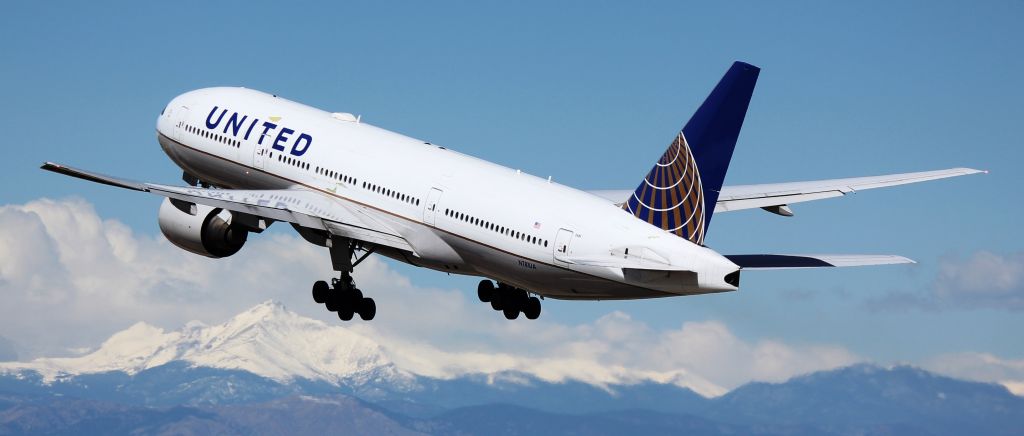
251, 159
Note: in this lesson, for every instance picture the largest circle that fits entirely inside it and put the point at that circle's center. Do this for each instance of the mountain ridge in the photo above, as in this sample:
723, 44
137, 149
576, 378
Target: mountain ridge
268, 361
270, 341
266, 340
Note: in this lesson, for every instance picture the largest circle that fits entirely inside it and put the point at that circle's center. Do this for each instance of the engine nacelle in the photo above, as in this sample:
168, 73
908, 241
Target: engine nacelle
203, 230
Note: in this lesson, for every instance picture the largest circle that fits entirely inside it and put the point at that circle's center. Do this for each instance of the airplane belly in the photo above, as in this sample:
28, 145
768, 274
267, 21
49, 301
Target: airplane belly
543, 278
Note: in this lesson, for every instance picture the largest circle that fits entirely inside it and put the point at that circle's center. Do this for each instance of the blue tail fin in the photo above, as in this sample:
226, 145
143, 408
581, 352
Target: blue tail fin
680, 192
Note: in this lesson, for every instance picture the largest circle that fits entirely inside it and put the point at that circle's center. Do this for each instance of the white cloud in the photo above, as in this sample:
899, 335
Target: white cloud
981, 367
704, 356
983, 280
70, 279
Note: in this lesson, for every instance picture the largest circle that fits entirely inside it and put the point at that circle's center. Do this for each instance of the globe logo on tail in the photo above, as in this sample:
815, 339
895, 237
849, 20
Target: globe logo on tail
671, 196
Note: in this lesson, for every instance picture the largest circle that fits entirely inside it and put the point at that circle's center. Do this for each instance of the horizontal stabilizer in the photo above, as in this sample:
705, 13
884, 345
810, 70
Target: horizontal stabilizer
790, 261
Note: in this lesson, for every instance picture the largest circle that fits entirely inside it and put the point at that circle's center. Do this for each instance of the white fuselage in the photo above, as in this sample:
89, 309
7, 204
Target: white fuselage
460, 214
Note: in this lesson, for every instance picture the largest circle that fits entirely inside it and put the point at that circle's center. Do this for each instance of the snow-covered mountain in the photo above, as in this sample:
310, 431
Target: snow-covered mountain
272, 342
269, 352
269, 369
267, 340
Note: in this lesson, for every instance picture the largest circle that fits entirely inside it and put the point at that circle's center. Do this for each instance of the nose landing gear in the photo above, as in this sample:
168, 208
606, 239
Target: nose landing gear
509, 300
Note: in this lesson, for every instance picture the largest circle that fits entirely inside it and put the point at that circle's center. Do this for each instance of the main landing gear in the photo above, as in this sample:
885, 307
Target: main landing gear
509, 300
342, 295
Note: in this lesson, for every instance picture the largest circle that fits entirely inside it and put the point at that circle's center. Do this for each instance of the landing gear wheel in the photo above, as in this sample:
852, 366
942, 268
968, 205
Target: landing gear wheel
532, 308
342, 296
496, 299
367, 309
511, 312
521, 298
320, 291
485, 291
333, 302
355, 296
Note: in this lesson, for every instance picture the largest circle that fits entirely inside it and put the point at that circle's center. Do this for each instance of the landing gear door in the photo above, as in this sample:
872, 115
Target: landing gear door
431, 206
563, 246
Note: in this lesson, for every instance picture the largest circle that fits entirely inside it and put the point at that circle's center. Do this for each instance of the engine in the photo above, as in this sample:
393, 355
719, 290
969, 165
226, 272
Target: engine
203, 230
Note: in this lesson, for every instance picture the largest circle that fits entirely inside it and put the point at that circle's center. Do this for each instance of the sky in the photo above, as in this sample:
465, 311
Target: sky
589, 93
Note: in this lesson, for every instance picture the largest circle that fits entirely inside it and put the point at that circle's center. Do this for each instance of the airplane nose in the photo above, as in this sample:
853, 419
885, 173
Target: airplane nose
169, 116
165, 114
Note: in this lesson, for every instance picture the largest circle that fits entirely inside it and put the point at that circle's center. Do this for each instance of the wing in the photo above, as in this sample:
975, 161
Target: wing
299, 206
775, 196
790, 261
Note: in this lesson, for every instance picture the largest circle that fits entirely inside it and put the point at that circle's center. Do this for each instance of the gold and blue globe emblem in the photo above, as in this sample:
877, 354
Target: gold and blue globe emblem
671, 196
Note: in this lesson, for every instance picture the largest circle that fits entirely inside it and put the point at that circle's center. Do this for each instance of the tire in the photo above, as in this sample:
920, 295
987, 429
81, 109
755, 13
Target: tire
496, 299
532, 309
485, 290
346, 313
521, 298
354, 297
367, 309
511, 312
333, 301
320, 291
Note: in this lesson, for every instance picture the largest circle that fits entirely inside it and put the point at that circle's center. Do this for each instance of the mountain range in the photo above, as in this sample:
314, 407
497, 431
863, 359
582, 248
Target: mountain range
271, 371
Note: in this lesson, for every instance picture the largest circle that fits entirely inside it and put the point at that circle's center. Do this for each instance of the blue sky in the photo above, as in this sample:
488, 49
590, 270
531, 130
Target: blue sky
591, 93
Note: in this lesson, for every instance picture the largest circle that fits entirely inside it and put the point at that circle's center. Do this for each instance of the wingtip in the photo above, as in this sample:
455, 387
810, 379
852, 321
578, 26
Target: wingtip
972, 171
92, 177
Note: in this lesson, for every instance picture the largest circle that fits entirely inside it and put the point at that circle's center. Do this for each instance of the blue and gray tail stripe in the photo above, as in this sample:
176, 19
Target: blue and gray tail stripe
680, 192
